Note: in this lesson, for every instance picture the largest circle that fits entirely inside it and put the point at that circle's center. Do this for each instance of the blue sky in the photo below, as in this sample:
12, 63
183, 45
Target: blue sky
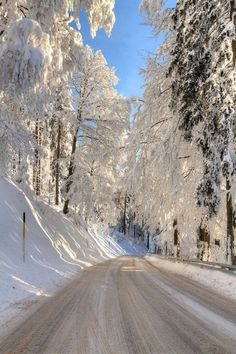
128, 45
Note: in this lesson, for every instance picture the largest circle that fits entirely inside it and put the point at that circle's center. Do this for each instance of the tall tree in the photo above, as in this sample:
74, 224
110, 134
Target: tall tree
97, 103
39, 51
203, 96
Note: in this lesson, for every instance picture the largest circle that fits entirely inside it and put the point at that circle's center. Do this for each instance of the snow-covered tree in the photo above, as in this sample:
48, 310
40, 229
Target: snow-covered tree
37, 41
182, 145
39, 51
99, 109
203, 95
184, 139
156, 14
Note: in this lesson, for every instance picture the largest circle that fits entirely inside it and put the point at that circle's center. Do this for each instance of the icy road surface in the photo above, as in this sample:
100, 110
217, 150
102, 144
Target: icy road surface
124, 306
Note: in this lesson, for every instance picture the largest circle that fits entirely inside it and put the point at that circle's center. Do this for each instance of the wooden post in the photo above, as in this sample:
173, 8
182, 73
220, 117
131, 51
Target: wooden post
23, 236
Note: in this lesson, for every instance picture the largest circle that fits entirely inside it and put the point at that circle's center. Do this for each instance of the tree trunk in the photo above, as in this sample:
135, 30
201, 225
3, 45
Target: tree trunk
57, 167
230, 225
148, 240
124, 219
37, 162
72, 164
134, 223
70, 173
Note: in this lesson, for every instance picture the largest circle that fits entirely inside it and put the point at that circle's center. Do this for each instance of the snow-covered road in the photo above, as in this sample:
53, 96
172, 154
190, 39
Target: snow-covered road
127, 305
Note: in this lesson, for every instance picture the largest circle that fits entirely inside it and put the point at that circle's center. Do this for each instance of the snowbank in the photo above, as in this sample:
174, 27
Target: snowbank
56, 250
222, 282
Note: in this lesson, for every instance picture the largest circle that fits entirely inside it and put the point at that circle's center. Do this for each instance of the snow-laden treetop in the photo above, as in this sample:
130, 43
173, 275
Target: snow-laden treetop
37, 45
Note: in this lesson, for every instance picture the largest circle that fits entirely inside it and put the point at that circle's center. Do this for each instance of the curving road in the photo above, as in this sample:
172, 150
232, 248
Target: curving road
126, 306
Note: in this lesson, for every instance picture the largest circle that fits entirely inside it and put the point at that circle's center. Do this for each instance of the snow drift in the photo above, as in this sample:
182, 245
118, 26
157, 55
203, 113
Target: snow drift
56, 249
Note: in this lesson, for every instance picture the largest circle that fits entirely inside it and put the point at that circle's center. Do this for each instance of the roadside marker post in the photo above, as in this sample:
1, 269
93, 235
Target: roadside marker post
23, 237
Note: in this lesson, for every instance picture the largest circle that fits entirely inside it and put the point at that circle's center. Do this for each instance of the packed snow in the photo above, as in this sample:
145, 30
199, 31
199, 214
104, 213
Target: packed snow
222, 282
201, 312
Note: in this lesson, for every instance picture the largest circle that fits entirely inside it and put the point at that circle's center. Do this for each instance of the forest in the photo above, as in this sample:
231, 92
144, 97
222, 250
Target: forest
161, 167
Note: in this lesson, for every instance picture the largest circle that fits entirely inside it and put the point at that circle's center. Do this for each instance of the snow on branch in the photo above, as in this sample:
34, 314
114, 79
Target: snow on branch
24, 56
100, 14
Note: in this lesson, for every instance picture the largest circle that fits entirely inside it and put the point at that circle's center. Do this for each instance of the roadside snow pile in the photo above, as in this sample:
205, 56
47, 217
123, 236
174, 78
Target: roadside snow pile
56, 249
222, 282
